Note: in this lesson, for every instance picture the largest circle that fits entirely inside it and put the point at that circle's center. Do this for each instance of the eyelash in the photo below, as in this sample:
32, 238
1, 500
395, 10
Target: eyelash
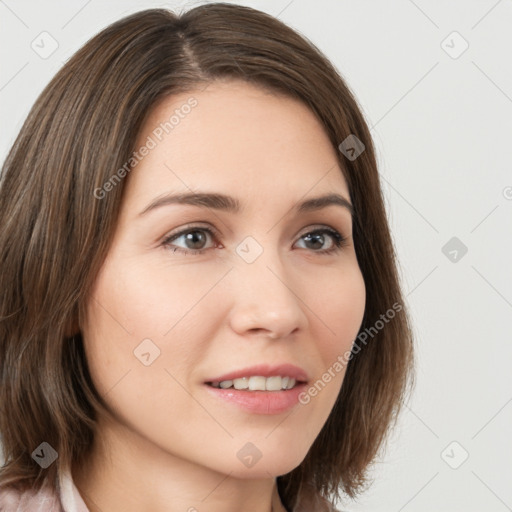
339, 241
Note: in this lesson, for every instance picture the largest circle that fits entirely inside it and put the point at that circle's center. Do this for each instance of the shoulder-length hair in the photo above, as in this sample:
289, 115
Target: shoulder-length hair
55, 231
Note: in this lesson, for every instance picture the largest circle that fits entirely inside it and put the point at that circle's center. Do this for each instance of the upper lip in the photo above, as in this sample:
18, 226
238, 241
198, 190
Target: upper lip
265, 370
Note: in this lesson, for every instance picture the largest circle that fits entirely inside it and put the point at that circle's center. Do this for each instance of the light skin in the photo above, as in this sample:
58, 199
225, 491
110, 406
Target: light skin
172, 446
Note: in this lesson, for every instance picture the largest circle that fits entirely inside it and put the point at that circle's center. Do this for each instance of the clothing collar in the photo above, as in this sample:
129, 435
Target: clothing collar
69, 496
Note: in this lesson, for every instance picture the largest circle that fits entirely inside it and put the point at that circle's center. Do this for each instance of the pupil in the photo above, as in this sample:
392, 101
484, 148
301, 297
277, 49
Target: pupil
195, 237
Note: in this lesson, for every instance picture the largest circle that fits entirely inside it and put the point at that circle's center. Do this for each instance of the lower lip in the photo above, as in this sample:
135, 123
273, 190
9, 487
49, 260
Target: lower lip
260, 402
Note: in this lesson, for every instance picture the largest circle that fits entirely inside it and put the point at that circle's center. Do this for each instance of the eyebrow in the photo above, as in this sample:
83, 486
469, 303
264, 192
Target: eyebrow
230, 204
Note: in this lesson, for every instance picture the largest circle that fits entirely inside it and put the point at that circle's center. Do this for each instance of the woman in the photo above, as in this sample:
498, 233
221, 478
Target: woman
199, 297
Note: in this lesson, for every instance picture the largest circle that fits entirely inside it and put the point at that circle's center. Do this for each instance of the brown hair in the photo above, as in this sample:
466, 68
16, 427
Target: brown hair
55, 233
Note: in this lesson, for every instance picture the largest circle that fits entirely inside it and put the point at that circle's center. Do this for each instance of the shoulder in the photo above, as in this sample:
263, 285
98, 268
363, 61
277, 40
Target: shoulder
29, 500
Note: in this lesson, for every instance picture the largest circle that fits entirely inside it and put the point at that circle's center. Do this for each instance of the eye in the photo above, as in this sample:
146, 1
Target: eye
317, 238
195, 240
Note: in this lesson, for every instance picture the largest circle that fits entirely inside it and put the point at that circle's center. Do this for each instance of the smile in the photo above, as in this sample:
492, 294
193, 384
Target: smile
257, 383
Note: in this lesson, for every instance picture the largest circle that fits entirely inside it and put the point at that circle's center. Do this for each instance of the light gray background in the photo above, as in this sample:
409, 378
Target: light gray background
443, 128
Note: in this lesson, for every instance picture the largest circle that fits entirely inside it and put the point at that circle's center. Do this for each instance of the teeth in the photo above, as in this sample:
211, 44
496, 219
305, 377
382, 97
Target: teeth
258, 383
242, 383
272, 383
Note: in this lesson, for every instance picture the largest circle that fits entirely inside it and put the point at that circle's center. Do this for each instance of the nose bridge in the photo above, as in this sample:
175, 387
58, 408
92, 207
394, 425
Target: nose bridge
263, 295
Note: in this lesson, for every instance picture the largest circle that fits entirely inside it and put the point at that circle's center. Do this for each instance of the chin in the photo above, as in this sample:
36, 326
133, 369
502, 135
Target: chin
261, 473
270, 465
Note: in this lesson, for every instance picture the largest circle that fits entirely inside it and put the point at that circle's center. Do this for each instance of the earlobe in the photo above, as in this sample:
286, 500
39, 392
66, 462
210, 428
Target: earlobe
72, 326
71, 330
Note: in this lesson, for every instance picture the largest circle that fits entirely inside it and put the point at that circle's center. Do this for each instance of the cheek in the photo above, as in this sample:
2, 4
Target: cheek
340, 307
132, 303
139, 343
339, 311
147, 298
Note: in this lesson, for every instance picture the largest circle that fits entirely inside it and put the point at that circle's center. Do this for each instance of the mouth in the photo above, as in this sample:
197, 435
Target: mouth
260, 389
258, 383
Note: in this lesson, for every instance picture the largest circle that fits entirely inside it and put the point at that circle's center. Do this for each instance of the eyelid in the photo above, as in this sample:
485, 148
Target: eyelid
315, 227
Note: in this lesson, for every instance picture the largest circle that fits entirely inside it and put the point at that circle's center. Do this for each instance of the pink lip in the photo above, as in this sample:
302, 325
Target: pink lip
259, 402
265, 370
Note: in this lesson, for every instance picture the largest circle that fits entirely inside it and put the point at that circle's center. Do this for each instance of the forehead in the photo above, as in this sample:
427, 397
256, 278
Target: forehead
238, 138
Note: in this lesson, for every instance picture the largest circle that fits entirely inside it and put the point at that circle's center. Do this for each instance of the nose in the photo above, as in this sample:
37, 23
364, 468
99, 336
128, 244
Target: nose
266, 299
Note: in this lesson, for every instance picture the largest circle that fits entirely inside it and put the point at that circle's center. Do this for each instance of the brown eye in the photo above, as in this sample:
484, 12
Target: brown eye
194, 240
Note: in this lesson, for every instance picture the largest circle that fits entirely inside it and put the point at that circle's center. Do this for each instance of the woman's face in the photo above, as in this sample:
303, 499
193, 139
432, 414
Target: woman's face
269, 287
